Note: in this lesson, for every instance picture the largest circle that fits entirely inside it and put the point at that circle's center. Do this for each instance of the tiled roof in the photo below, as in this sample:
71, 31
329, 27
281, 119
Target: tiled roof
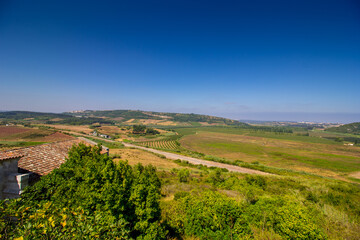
9, 155
42, 159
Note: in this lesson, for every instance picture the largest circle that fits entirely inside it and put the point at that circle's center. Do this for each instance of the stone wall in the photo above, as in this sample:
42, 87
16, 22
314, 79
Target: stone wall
12, 183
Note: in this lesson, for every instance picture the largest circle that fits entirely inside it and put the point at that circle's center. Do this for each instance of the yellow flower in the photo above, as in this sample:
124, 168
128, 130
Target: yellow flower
19, 238
63, 223
51, 221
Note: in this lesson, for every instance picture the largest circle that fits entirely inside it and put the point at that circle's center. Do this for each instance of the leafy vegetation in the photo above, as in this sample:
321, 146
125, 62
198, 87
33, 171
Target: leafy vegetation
353, 128
23, 117
87, 197
15, 144
257, 207
91, 197
126, 115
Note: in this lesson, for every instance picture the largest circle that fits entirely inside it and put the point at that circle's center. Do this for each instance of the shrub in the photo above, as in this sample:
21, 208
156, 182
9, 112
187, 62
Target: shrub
90, 196
184, 175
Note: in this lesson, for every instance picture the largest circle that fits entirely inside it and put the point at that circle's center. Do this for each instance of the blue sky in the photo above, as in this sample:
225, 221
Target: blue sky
263, 60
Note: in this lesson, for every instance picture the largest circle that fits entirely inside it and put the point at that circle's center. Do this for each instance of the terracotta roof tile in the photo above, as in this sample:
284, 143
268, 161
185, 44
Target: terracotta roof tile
9, 155
42, 159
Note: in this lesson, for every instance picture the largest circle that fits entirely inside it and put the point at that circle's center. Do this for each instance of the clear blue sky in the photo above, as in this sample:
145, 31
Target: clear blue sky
265, 60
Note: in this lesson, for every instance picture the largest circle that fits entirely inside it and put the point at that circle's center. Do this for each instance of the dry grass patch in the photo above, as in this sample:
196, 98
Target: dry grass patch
111, 130
135, 156
355, 175
57, 136
82, 128
130, 120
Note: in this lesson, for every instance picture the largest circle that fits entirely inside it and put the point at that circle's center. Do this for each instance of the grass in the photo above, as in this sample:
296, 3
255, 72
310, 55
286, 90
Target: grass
334, 203
256, 133
16, 144
341, 166
110, 145
135, 156
330, 160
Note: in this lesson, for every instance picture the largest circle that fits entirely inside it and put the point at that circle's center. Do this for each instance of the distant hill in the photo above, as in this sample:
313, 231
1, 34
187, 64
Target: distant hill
353, 128
21, 115
48, 118
157, 118
118, 116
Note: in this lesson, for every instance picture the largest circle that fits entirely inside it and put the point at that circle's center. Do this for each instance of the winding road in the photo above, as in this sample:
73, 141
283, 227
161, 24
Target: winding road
197, 161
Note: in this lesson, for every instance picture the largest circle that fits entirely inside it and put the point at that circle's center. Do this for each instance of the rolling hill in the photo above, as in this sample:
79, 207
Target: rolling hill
117, 116
158, 118
353, 128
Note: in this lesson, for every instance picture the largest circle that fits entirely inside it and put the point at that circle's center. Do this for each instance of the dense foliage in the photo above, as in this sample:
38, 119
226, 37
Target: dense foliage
177, 117
23, 117
353, 128
88, 196
257, 207
138, 129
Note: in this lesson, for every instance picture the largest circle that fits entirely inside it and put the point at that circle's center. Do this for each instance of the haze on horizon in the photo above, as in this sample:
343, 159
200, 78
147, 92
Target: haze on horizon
260, 60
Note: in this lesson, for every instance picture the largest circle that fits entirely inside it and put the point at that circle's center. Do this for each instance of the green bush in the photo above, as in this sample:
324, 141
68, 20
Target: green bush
98, 198
184, 175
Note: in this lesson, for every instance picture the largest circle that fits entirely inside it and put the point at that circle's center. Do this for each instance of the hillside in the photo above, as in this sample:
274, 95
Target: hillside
129, 117
353, 128
25, 117
157, 118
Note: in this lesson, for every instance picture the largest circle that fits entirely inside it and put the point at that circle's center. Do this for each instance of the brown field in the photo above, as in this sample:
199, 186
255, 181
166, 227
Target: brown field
57, 136
156, 122
16, 136
168, 123
118, 119
110, 130
355, 175
135, 156
8, 131
16, 133
130, 120
318, 158
81, 128
56, 119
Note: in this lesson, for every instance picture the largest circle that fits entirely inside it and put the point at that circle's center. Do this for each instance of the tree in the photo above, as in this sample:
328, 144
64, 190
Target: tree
137, 129
184, 175
89, 195
152, 131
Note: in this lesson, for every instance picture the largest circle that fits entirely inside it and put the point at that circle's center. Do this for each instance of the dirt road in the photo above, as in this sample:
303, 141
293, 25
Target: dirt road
197, 161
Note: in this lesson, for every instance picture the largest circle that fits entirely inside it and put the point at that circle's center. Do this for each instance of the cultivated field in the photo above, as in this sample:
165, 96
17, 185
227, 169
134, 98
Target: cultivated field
9, 131
16, 136
111, 130
74, 128
135, 156
162, 144
331, 160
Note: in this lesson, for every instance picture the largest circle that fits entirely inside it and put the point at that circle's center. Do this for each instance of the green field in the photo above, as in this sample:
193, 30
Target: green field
310, 154
185, 201
16, 144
